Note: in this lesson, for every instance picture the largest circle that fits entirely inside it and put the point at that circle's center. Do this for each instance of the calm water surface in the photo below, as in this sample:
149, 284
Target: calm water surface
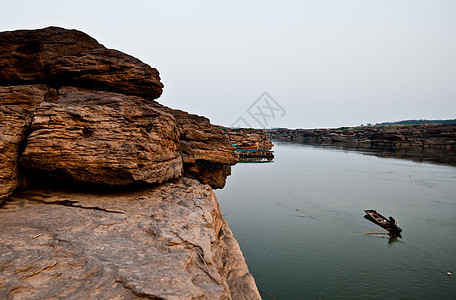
299, 221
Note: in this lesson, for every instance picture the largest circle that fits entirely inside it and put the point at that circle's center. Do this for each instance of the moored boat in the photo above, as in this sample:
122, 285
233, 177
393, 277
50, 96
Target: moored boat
253, 152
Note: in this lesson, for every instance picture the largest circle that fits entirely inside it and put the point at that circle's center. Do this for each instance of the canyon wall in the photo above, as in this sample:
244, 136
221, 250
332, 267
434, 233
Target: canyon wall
106, 192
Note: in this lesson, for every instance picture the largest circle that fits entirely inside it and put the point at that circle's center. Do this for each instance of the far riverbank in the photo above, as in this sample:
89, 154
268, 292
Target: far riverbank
376, 137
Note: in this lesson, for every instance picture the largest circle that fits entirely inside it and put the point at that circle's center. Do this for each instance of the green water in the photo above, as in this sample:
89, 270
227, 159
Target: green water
298, 221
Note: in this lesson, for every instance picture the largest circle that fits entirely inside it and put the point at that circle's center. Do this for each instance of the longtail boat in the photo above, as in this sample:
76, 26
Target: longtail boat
388, 224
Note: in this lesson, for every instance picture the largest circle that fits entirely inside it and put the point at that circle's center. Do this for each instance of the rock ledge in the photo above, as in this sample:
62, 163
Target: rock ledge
168, 242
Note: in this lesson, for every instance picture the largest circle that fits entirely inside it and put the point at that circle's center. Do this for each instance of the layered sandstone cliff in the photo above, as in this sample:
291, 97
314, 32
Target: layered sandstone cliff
96, 178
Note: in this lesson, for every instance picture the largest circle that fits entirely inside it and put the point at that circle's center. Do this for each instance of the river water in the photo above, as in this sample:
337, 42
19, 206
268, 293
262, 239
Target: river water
299, 222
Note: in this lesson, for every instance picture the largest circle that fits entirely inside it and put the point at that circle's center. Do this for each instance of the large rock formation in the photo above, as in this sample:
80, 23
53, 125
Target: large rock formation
88, 123
76, 114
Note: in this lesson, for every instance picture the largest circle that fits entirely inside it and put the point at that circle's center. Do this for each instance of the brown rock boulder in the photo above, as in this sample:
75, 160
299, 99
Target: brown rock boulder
15, 119
103, 137
58, 56
206, 150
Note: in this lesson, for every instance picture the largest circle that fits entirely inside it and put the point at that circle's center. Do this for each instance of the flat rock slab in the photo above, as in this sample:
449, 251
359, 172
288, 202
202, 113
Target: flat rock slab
167, 242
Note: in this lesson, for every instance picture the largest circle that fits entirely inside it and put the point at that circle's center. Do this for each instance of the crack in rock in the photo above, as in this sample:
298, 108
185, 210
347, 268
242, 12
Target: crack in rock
71, 203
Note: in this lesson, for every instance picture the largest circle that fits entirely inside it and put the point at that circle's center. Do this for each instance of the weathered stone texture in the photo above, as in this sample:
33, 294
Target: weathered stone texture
15, 119
58, 56
103, 137
97, 122
75, 112
206, 150
169, 242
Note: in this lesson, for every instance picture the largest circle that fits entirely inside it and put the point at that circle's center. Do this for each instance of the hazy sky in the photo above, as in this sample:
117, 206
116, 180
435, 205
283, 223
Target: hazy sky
322, 63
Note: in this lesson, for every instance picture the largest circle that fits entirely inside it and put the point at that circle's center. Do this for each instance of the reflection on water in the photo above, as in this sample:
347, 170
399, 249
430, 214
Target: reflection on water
256, 160
392, 239
438, 156
299, 222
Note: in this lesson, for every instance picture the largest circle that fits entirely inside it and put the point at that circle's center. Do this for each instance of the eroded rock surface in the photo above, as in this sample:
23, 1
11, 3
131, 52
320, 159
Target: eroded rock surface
95, 120
59, 57
17, 105
76, 114
168, 242
103, 137
206, 150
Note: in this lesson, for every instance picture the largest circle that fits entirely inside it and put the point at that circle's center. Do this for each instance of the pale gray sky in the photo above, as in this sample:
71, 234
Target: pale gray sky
326, 63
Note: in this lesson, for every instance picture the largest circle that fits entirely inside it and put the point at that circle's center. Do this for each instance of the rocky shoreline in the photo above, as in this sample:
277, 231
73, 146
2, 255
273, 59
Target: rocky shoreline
379, 137
247, 137
106, 192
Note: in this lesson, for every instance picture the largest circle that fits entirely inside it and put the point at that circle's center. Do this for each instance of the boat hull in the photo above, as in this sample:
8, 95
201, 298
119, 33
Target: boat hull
376, 218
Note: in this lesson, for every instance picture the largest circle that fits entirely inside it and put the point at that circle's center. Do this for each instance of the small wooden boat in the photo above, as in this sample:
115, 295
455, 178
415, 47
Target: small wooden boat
376, 218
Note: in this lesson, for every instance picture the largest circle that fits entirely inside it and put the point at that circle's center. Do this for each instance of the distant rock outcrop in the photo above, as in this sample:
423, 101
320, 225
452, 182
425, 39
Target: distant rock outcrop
246, 137
75, 114
396, 137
